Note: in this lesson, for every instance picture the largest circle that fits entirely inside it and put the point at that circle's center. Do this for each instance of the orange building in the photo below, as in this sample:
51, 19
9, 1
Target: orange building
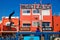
33, 16
0, 26
56, 23
5, 24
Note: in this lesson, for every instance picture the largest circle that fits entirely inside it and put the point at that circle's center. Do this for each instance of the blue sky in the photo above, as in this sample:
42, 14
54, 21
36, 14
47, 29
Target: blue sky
7, 6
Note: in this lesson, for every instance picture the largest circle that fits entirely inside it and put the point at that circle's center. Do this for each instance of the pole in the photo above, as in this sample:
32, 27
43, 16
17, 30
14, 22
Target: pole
41, 15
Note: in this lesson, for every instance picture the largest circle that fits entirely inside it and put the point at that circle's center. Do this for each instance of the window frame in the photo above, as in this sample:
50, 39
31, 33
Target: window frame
26, 12
36, 23
7, 24
45, 24
26, 22
46, 12
35, 13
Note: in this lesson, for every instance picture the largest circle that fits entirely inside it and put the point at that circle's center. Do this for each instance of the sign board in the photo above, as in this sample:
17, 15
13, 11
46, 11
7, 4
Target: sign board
31, 38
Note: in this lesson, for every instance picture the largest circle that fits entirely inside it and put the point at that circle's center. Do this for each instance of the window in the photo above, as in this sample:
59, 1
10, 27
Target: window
26, 24
26, 11
46, 12
46, 24
7, 23
36, 11
36, 24
10, 23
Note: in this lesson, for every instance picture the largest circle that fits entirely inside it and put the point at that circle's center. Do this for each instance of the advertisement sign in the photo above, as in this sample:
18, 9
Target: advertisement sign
31, 38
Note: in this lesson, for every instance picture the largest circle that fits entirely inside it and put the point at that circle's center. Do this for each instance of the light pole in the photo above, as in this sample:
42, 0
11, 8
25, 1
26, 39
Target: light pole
41, 16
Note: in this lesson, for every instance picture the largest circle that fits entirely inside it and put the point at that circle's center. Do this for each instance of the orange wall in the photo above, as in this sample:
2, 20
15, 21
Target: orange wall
0, 26
56, 23
32, 18
15, 20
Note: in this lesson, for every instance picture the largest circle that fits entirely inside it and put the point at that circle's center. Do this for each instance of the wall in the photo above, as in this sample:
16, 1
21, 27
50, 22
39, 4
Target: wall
5, 20
56, 23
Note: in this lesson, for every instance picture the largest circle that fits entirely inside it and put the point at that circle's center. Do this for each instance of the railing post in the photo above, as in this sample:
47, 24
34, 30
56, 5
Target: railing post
17, 36
46, 36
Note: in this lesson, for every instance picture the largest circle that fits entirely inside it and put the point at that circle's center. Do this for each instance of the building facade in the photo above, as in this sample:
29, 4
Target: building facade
33, 16
6, 24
